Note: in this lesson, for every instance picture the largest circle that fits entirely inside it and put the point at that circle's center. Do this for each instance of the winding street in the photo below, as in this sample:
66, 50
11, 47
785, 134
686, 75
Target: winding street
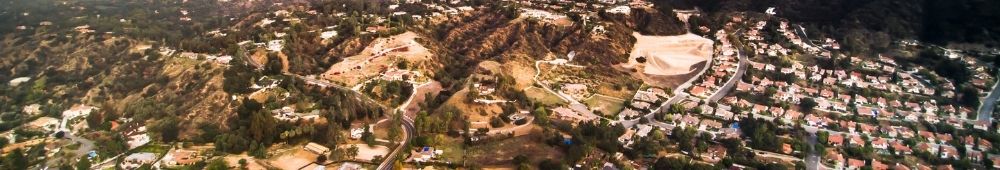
679, 93
407, 128
989, 103
741, 68
407, 123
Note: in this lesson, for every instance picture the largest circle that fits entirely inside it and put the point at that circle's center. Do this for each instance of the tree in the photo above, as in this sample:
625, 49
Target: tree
496, 122
670, 163
521, 159
95, 120
397, 165
167, 128
83, 164
262, 127
274, 65
822, 136
685, 137
352, 151
541, 116
320, 160
368, 136
238, 76
394, 127
807, 104
551, 164
15, 160
243, 163
3, 142
217, 164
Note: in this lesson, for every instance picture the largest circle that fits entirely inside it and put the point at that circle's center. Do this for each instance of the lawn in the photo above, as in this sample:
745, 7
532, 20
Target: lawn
541, 96
153, 148
605, 104
451, 147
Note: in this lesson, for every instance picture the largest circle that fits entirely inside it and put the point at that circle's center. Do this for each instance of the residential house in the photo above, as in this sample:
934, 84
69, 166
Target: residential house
855, 164
876, 165
944, 137
929, 136
137, 159
316, 148
791, 115
711, 125
974, 155
857, 141
927, 147
880, 143
900, 148
730, 133
835, 140
835, 158
181, 157
948, 151
714, 154
996, 161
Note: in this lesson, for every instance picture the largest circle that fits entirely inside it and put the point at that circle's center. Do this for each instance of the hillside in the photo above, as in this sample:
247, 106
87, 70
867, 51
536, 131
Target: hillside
935, 21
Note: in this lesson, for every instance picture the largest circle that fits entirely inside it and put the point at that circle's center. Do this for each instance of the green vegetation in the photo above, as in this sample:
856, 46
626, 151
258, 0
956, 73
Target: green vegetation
604, 104
392, 92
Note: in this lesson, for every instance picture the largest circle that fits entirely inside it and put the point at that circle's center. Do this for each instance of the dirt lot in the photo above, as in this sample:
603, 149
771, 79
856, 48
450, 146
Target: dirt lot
523, 73
475, 112
502, 152
379, 55
670, 55
670, 60
252, 163
366, 152
293, 159
419, 94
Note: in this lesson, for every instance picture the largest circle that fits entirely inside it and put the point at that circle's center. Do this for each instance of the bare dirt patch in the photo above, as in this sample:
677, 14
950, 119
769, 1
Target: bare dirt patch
502, 152
377, 57
669, 60
295, 159
670, 55
420, 93
234, 161
366, 152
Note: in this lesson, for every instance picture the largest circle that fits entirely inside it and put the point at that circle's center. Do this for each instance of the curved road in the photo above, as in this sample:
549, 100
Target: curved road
989, 103
408, 129
407, 123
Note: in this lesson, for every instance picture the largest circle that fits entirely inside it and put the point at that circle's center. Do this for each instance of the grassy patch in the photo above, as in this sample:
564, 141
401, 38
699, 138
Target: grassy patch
607, 105
451, 147
73, 146
541, 96
159, 149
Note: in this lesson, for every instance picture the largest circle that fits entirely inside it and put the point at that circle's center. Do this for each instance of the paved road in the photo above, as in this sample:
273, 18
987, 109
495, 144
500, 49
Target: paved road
407, 123
407, 128
680, 95
740, 70
989, 103
812, 160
